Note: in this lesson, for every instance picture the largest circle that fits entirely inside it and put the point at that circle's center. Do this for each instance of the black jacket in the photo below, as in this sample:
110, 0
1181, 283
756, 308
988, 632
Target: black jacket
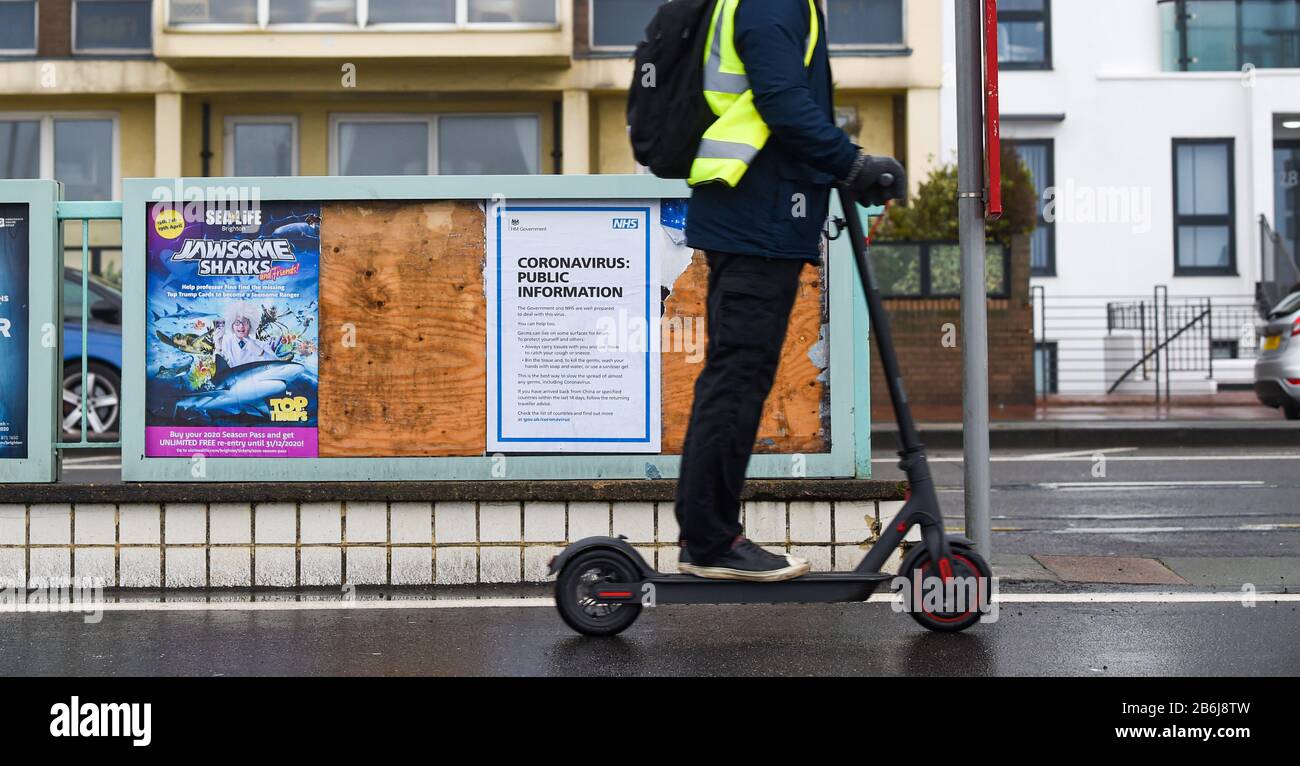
780, 205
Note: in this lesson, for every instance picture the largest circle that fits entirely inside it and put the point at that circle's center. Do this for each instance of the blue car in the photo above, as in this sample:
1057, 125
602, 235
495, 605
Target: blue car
104, 353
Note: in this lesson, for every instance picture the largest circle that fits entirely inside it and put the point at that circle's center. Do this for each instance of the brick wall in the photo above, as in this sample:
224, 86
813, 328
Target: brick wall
54, 28
932, 371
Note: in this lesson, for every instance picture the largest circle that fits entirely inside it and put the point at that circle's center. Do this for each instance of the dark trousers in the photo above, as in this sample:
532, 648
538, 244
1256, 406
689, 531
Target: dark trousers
749, 304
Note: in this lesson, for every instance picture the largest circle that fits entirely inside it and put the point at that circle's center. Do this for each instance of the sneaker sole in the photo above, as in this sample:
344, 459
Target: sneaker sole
723, 573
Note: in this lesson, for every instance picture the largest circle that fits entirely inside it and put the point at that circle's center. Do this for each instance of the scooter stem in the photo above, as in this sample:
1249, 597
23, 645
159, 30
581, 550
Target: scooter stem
923, 505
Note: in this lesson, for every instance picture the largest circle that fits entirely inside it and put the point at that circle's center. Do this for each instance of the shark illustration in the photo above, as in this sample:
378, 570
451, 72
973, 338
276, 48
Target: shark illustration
244, 390
180, 312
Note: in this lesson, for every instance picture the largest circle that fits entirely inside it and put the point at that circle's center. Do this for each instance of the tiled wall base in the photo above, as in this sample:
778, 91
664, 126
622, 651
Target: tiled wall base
377, 543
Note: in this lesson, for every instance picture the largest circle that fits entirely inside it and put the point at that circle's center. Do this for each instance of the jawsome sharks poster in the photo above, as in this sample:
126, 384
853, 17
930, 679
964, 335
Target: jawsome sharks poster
232, 326
13, 332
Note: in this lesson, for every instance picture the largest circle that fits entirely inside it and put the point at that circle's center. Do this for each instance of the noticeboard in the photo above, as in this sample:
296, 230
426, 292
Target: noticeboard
442, 328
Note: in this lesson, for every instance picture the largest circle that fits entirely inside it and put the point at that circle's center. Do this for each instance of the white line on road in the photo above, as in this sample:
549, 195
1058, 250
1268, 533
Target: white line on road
1115, 459
499, 603
1164, 530
1102, 486
1083, 453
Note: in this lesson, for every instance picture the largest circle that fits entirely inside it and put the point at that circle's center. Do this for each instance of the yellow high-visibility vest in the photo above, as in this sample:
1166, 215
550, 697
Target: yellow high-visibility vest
736, 137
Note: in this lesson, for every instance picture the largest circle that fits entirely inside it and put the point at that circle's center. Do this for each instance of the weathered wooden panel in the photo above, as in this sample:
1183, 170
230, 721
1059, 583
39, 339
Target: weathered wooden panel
408, 276
793, 417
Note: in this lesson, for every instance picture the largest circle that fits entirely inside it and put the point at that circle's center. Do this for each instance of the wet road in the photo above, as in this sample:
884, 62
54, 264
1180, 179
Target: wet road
1137, 502
1078, 639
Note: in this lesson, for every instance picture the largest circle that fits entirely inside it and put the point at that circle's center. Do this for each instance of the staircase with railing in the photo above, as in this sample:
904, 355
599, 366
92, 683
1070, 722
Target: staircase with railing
1154, 345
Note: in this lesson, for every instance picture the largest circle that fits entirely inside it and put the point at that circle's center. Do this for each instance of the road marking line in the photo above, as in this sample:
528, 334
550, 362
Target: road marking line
1116, 458
286, 606
1083, 453
1166, 530
498, 603
1128, 485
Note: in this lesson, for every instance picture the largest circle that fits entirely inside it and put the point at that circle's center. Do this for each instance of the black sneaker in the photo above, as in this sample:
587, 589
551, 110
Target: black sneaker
745, 561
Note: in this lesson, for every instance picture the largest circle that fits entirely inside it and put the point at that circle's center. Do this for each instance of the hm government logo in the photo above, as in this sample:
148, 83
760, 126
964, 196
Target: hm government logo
10, 223
75, 718
626, 223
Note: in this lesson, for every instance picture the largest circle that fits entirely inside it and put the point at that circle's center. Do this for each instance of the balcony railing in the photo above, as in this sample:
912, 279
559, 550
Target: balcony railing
1227, 35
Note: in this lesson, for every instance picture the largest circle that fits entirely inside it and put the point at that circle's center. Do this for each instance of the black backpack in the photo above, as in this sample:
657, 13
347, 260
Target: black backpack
666, 111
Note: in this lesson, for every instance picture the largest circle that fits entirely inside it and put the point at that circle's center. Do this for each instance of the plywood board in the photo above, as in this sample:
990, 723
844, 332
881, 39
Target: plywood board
406, 280
794, 419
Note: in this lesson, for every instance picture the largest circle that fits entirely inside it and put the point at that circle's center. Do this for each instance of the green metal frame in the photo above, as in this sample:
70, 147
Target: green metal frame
44, 383
85, 212
849, 414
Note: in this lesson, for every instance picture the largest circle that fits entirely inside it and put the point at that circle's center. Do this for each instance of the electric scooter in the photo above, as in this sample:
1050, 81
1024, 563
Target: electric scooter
603, 582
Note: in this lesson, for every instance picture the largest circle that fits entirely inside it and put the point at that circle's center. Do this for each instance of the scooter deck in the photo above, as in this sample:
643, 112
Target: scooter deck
819, 587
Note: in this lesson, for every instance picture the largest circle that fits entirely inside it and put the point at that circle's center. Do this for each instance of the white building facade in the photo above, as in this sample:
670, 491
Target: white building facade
1164, 136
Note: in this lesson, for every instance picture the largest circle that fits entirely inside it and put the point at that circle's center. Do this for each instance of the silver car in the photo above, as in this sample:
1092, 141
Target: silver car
1277, 368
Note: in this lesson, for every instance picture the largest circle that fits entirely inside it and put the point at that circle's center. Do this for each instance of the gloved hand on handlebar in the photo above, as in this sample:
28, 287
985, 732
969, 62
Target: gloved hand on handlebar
876, 180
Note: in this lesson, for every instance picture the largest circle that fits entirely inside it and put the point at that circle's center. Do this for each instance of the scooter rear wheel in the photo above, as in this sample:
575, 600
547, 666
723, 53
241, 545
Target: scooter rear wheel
973, 586
577, 583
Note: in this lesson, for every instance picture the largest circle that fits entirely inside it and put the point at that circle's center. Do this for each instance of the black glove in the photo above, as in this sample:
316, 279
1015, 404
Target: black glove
876, 180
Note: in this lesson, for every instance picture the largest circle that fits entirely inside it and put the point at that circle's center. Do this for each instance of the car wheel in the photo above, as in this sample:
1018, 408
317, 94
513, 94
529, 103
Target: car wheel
104, 404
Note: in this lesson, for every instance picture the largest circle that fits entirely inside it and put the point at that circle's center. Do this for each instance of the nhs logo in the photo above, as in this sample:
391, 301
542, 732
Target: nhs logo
626, 223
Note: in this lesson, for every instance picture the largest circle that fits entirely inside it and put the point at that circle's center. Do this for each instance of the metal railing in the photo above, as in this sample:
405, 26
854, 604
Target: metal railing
1097, 345
85, 212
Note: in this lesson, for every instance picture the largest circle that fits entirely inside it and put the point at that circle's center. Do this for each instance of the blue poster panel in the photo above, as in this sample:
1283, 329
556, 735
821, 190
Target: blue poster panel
14, 311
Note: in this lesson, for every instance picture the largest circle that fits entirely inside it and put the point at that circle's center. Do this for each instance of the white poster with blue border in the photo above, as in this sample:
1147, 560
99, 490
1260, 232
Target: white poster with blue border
574, 302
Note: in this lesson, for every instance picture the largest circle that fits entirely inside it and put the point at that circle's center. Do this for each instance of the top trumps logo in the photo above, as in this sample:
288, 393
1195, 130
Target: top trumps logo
626, 223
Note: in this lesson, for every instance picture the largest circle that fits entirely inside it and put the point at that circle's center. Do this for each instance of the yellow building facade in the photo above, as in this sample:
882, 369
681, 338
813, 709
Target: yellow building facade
97, 91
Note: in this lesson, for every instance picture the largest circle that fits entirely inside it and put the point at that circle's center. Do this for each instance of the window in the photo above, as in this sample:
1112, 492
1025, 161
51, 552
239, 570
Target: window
1226, 35
1025, 34
79, 150
488, 144
112, 26
864, 24
359, 14
511, 11
619, 24
241, 12
261, 146
933, 269
312, 12
20, 148
412, 12
1204, 229
1039, 157
1046, 368
1225, 349
17, 27
419, 144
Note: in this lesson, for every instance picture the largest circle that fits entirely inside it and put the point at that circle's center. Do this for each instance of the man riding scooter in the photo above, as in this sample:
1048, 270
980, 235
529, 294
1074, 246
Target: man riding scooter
762, 178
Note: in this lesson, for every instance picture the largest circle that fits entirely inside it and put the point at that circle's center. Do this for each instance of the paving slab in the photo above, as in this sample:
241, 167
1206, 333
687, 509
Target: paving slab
1017, 567
1272, 572
1111, 569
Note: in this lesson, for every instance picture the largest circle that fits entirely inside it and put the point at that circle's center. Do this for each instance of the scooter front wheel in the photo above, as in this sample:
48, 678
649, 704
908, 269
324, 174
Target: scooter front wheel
577, 584
952, 604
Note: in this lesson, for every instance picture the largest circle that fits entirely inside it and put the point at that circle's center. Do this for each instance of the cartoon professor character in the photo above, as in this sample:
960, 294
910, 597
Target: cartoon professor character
236, 343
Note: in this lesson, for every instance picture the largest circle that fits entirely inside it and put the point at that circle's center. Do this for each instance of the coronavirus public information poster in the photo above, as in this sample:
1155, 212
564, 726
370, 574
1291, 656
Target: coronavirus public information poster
14, 311
573, 326
232, 330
